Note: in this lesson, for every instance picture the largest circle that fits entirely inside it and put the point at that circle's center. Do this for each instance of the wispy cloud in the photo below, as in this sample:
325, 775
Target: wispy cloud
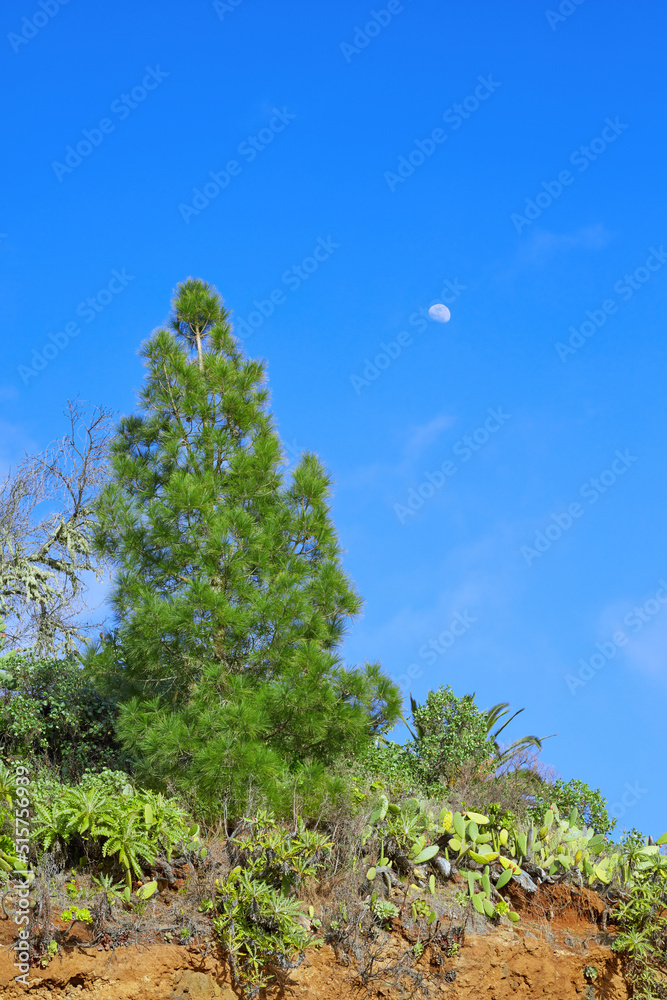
643, 621
647, 653
418, 439
14, 443
543, 243
425, 435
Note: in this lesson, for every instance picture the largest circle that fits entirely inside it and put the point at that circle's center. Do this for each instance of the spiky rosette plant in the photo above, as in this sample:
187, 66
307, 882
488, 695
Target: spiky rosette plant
230, 598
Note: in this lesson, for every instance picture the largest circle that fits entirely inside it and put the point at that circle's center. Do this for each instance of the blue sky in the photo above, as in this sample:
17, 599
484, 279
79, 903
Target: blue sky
359, 167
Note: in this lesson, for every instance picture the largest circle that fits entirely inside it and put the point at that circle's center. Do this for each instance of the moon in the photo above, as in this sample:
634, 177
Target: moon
440, 313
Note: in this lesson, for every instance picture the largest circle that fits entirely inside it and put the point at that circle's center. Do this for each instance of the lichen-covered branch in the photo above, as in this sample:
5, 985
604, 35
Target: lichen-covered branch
46, 518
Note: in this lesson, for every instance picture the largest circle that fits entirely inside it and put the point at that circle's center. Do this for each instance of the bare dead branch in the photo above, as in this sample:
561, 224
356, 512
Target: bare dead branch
46, 520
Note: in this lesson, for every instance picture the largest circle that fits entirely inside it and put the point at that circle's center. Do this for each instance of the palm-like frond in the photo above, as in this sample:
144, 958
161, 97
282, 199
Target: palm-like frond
127, 839
85, 808
52, 824
494, 715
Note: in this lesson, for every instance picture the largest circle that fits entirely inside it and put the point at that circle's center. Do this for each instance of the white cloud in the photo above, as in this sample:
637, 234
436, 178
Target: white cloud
14, 443
543, 244
644, 622
418, 440
425, 435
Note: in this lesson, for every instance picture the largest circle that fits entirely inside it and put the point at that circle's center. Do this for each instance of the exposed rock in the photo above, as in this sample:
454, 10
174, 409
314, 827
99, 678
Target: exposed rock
443, 865
525, 881
198, 986
545, 955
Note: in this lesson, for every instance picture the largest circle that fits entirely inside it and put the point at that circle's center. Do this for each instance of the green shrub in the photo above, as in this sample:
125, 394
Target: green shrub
392, 764
51, 713
108, 817
450, 733
575, 794
642, 914
259, 922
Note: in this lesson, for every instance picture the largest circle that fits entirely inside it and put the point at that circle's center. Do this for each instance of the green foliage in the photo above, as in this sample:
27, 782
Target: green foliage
10, 862
132, 826
452, 737
74, 914
450, 732
408, 827
491, 849
230, 598
105, 883
126, 837
51, 712
7, 784
559, 845
72, 889
642, 914
259, 922
575, 794
397, 767
509, 753
382, 909
566, 844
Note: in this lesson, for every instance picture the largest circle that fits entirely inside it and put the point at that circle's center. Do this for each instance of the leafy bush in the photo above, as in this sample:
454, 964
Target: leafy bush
449, 733
642, 914
110, 819
454, 737
575, 794
51, 712
258, 920
392, 764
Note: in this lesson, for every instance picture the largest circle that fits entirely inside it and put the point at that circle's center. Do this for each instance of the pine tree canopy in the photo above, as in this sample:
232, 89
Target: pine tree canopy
230, 599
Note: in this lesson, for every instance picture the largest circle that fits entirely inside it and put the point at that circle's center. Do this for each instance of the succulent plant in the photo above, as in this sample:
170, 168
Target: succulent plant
382, 909
490, 850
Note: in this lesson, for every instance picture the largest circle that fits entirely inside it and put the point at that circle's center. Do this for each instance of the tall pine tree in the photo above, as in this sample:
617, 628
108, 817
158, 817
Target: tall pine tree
230, 599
